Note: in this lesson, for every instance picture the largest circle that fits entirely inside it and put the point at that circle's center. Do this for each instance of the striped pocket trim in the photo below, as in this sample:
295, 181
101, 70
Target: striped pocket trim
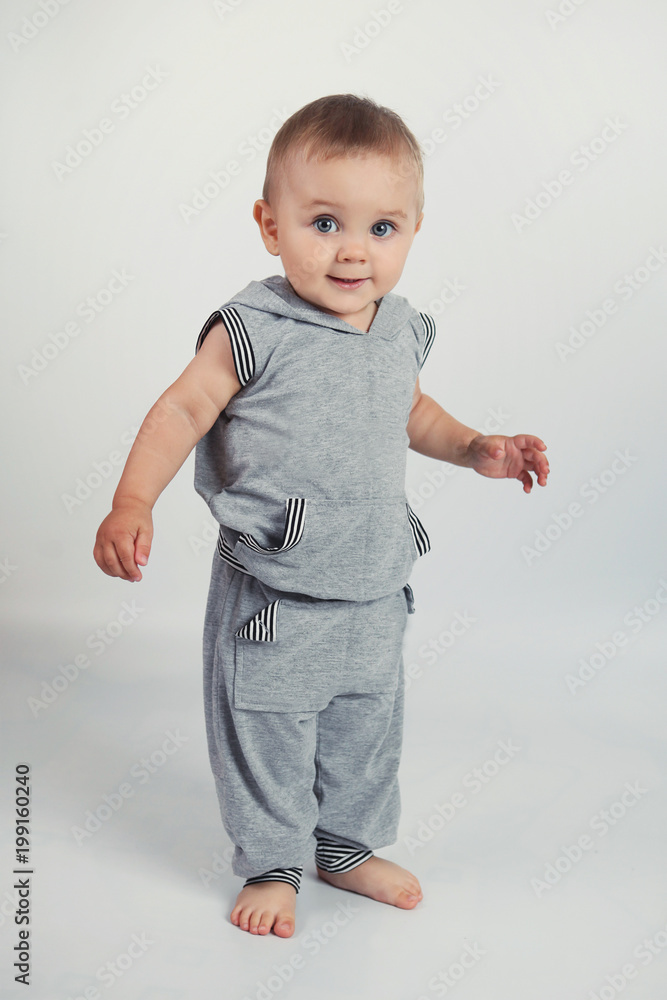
333, 857
429, 334
263, 627
419, 536
244, 358
227, 553
290, 875
295, 515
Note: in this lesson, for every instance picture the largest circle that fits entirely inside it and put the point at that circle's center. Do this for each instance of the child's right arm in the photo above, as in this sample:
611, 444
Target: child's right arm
171, 429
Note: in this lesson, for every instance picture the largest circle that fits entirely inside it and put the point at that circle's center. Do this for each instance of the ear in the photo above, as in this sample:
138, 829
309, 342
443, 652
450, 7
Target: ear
419, 223
264, 217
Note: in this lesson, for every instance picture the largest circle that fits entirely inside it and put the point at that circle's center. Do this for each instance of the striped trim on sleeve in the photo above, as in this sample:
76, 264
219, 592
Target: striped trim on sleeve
244, 358
242, 352
429, 335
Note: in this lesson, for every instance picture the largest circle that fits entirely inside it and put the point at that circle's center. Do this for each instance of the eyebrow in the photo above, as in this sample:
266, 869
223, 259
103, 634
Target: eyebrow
397, 214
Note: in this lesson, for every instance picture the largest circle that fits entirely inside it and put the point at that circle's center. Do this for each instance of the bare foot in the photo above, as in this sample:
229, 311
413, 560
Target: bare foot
265, 905
380, 879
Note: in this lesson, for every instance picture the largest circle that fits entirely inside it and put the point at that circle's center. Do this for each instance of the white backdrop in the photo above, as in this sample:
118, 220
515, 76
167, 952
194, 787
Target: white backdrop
135, 142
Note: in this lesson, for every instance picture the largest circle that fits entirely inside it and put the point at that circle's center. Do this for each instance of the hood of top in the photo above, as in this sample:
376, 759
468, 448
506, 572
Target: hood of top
276, 295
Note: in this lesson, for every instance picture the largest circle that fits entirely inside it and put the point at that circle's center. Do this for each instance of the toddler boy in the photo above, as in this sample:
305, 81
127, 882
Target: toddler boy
302, 399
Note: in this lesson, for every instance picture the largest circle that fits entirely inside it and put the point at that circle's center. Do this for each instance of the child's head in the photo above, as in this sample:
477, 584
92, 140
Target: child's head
342, 198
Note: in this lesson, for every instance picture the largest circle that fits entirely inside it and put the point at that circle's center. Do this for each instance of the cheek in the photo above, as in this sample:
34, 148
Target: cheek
307, 256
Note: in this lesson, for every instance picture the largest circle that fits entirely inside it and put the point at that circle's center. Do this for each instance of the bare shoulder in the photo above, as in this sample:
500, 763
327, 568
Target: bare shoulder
212, 372
216, 354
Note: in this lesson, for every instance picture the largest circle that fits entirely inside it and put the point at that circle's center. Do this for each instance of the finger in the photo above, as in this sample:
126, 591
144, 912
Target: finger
142, 548
527, 481
529, 441
541, 469
493, 446
124, 559
109, 562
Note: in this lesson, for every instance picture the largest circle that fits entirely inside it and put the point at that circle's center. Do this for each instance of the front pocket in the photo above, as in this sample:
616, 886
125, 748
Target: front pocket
296, 654
346, 549
286, 660
263, 627
295, 517
419, 536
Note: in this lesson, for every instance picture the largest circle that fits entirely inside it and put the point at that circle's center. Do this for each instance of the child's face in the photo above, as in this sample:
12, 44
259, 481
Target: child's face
341, 218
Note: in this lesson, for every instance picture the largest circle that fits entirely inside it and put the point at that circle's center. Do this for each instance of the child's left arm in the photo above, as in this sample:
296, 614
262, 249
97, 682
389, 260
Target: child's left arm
435, 433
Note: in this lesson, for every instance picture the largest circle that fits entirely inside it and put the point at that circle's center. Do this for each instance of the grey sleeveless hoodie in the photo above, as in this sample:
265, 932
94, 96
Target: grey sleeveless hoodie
304, 469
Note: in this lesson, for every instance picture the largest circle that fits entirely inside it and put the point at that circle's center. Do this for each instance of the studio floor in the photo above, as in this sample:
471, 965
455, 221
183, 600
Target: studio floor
533, 816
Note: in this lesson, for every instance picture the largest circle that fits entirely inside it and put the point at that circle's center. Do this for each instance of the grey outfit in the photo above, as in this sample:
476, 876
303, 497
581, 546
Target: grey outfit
304, 471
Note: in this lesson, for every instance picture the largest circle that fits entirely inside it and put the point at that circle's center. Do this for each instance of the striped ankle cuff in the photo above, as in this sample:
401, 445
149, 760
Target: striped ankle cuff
331, 856
289, 875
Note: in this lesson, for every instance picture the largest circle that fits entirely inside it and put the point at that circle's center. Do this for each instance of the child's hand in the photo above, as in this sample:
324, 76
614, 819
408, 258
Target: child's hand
501, 457
124, 539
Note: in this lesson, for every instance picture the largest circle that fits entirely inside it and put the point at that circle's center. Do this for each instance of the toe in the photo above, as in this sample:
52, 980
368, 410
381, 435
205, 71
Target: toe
284, 925
406, 899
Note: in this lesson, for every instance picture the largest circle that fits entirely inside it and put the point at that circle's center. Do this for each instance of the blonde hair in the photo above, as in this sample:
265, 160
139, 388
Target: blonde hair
344, 125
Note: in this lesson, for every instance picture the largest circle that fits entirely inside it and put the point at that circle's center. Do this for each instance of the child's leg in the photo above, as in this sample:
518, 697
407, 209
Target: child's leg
263, 765
359, 743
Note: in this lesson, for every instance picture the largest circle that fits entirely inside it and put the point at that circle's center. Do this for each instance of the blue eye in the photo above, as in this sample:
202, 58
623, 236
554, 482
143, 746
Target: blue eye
383, 224
326, 219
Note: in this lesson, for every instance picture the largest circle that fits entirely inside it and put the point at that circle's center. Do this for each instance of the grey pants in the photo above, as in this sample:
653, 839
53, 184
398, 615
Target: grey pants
303, 699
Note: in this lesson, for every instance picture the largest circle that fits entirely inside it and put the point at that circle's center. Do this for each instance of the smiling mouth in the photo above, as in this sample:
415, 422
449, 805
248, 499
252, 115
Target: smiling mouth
350, 282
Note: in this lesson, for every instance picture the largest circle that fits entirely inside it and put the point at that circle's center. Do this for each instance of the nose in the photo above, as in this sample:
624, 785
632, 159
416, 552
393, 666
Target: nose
352, 248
